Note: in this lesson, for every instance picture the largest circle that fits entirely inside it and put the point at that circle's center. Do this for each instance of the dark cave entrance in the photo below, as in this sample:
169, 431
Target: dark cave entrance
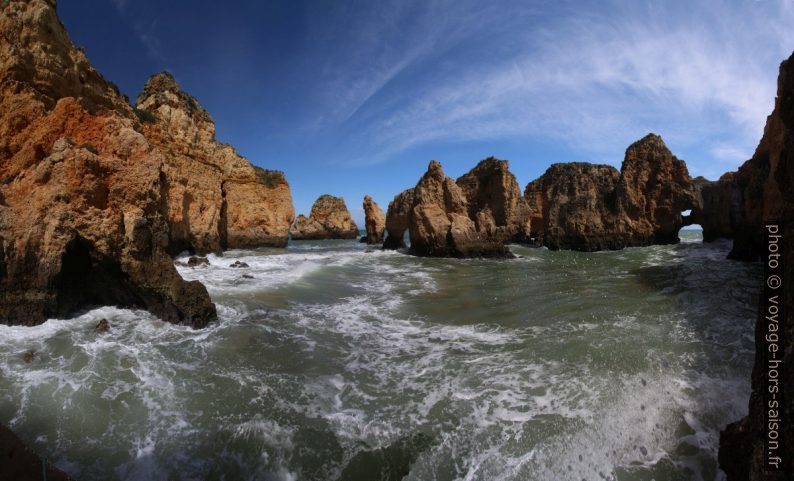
89, 279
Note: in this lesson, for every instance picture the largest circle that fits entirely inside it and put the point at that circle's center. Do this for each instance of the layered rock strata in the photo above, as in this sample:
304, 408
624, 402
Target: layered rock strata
215, 198
374, 221
82, 210
329, 219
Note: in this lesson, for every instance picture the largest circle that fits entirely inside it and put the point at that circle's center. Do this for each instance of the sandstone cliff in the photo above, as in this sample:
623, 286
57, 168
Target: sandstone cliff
374, 221
397, 219
590, 207
716, 207
82, 217
765, 185
215, 198
495, 203
572, 206
436, 214
329, 219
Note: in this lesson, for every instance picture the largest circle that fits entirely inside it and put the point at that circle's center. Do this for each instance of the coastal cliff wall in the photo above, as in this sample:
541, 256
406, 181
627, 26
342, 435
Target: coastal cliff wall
764, 185
215, 198
81, 212
95, 194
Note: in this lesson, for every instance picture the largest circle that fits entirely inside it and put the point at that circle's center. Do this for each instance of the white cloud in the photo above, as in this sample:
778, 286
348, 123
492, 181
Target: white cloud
592, 79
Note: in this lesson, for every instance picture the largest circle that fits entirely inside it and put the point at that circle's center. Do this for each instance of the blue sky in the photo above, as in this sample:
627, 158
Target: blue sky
355, 97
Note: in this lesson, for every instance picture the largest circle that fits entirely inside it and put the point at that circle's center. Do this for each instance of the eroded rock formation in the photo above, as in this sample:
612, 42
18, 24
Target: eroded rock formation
397, 219
374, 221
329, 219
590, 207
765, 185
572, 206
436, 214
81, 207
717, 206
495, 203
215, 198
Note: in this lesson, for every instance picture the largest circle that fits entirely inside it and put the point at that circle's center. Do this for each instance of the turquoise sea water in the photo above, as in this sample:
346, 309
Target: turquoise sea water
332, 360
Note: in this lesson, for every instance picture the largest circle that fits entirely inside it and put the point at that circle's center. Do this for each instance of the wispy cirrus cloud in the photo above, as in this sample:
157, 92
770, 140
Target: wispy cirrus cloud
594, 76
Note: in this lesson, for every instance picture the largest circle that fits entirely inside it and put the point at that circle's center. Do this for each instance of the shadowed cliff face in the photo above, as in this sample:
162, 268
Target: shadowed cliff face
81, 217
329, 219
215, 198
717, 206
765, 195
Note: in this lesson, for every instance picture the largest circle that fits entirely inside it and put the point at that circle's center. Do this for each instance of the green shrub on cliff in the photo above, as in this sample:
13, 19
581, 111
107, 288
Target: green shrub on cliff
271, 178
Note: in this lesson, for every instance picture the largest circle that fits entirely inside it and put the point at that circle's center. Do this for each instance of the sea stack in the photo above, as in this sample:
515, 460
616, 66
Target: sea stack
329, 219
374, 221
82, 190
215, 198
436, 214
495, 203
589, 207
572, 206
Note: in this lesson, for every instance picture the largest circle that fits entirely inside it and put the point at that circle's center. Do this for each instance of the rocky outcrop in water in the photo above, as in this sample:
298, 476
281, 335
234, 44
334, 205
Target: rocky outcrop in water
765, 195
716, 207
590, 207
374, 221
329, 219
495, 203
215, 198
572, 206
397, 219
81, 188
436, 214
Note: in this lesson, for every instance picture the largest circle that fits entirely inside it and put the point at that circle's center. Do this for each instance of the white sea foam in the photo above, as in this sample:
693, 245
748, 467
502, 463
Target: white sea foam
372, 355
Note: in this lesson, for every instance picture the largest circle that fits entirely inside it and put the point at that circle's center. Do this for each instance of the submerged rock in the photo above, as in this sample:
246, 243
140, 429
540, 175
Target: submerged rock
329, 219
374, 221
391, 463
239, 264
28, 356
81, 187
102, 326
194, 261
